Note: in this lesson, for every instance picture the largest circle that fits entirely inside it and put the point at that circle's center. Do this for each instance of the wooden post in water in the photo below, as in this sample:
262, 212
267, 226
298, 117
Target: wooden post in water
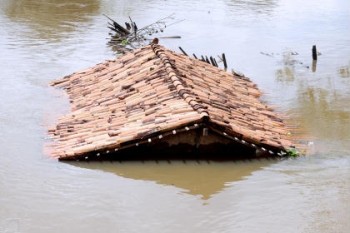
314, 58
314, 53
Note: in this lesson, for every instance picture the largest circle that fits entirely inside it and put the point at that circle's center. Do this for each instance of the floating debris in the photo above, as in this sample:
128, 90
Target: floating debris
124, 39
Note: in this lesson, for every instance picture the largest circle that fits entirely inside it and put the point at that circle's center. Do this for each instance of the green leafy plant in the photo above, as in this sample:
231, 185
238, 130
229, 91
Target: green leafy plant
124, 42
292, 152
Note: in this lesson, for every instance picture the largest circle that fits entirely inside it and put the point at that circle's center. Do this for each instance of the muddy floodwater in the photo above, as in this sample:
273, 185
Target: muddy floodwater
268, 40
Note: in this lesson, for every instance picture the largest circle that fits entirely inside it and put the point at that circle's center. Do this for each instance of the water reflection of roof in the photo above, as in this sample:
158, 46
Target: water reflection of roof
152, 92
196, 178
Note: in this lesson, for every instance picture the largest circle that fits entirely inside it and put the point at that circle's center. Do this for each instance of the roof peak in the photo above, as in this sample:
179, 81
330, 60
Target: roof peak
176, 78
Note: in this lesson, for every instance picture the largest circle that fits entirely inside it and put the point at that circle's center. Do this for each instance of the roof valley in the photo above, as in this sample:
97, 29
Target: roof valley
176, 79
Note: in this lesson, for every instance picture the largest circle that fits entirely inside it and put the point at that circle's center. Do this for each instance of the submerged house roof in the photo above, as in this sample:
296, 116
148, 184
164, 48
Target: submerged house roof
153, 93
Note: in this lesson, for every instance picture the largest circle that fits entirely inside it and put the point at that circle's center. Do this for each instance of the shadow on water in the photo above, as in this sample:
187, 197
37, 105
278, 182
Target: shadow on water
51, 18
344, 71
204, 178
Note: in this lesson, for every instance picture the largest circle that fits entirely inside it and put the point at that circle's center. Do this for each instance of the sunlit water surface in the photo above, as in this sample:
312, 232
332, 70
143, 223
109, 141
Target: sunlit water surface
43, 40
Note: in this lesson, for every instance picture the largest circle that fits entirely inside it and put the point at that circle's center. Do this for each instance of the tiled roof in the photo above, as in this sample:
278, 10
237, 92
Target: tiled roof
152, 91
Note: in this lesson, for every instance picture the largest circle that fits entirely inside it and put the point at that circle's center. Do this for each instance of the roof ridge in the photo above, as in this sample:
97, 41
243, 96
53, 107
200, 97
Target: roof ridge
176, 79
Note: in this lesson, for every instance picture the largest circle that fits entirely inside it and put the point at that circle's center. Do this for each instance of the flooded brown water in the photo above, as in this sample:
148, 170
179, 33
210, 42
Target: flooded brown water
43, 40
